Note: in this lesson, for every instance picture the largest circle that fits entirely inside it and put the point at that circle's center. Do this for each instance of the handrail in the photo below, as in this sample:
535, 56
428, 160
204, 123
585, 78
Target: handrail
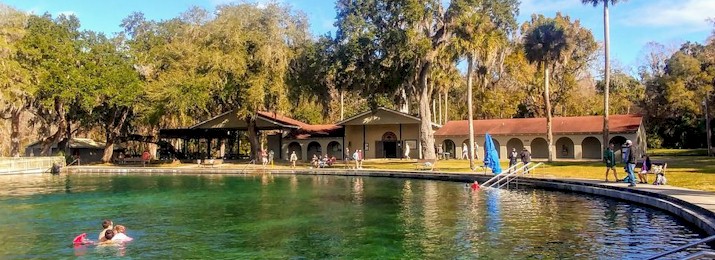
517, 176
507, 176
699, 255
498, 176
704, 240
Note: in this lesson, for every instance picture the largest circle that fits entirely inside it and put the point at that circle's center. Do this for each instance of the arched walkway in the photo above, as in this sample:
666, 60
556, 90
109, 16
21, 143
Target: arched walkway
314, 148
335, 149
617, 142
564, 148
295, 146
514, 143
450, 148
539, 148
591, 148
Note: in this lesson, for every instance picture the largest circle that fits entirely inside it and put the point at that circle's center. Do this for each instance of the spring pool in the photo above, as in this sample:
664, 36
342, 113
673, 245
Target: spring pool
316, 217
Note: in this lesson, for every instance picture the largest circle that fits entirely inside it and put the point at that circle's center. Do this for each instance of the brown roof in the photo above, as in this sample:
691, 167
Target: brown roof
305, 131
561, 125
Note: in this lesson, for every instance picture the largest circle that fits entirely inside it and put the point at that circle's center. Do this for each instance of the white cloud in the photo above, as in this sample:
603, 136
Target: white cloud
529, 7
690, 15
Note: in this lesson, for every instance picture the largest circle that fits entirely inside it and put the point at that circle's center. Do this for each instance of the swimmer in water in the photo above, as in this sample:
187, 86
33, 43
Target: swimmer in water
108, 235
106, 225
120, 234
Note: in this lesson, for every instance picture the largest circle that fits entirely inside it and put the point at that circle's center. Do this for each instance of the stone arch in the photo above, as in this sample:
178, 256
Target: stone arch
389, 137
335, 149
314, 148
450, 147
565, 148
295, 146
617, 142
539, 148
591, 148
514, 143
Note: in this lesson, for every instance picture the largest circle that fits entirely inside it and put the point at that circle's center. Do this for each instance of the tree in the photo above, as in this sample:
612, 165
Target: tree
606, 57
545, 44
481, 33
51, 51
115, 86
255, 47
16, 86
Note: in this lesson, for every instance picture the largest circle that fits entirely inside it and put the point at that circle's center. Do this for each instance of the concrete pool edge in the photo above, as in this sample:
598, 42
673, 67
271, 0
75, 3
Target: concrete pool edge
691, 212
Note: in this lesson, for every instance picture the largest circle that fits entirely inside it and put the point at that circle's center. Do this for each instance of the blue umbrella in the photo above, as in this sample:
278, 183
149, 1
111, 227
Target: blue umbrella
491, 157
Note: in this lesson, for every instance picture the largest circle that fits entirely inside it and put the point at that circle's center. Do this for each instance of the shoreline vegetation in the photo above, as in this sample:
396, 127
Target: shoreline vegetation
684, 169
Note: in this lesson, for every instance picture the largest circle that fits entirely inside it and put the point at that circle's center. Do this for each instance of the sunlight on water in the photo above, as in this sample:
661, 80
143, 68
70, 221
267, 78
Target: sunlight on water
270, 216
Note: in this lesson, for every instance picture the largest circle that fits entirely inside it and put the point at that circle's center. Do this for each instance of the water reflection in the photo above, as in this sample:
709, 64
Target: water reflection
316, 217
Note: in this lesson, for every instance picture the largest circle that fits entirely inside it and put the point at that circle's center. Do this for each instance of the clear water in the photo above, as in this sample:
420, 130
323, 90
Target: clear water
321, 217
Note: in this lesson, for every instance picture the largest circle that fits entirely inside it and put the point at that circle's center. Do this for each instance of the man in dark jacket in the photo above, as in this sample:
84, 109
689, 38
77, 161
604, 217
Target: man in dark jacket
525, 157
631, 163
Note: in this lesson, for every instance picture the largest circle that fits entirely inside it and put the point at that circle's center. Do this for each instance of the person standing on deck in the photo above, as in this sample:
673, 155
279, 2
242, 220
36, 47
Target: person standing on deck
525, 157
513, 157
407, 151
631, 163
609, 157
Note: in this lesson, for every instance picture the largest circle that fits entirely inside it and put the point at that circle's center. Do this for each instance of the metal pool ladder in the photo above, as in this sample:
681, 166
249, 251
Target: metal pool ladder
513, 174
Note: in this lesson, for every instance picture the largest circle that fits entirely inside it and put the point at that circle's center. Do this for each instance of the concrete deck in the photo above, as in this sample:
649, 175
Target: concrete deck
694, 206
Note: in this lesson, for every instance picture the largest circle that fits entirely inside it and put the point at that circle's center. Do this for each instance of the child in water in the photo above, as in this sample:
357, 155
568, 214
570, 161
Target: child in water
120, 234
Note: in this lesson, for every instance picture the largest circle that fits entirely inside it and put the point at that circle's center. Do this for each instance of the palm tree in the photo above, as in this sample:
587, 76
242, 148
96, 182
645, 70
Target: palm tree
545, 44
607, 69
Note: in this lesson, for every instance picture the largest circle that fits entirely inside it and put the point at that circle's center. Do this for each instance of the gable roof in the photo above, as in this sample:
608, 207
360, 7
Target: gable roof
526, 126
382, 116
75, 143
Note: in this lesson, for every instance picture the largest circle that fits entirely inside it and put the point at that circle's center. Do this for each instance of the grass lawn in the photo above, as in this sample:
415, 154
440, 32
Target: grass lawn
693, 172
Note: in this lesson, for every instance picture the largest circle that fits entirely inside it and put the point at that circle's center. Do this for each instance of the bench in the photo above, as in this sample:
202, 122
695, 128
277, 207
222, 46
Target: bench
426, 164
662, 164
210, 162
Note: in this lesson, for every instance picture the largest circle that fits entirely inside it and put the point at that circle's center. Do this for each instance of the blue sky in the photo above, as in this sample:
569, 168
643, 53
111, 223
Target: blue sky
633, 23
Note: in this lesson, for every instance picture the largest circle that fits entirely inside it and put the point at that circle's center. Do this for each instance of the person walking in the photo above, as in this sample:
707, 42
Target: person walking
356, 158
360, 158
465, 152
407, 151
609, 157
525, 158
346, 157
513, 157
631, 163
293, 159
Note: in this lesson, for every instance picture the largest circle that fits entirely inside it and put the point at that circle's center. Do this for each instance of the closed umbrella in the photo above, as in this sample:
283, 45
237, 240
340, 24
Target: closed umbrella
491, 157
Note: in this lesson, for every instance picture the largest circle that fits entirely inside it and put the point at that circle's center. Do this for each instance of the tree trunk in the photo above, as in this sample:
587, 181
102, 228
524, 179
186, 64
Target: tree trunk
253, 137
470, 112
342, 104
404, 101
549, 134
114, 129
446, 106
15, 132
426, 134
439, 105
607, 72
52, 139
707, 125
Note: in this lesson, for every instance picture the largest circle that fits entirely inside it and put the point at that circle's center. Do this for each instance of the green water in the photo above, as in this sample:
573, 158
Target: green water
320, 217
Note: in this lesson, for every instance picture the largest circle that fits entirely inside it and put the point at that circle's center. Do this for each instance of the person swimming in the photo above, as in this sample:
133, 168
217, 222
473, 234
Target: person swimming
120, 234
108, 235
106, 225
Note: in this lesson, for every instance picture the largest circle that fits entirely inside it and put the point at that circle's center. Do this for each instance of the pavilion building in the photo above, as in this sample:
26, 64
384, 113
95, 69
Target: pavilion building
385, 133
578, 138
